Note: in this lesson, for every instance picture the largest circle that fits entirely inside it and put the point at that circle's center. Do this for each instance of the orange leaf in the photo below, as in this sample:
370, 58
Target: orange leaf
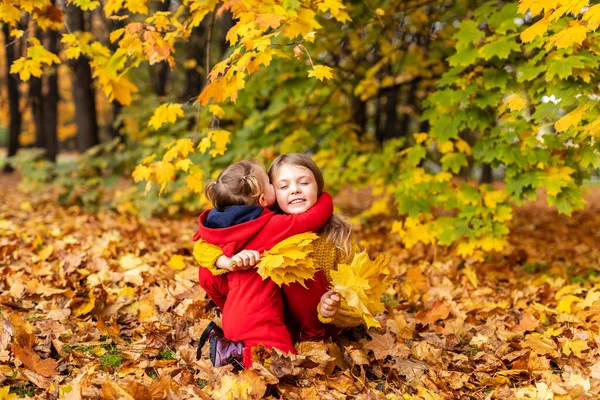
32, 361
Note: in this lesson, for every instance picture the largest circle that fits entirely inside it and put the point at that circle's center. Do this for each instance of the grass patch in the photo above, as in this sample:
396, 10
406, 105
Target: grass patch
111, 360
87, 350
22, 391
202, 382
167, 354
534, 268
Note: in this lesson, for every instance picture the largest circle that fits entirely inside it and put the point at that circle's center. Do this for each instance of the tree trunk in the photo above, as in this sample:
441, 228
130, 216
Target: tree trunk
50, 104
160, 73
359, 114
37, 111
115, 128
411, 98
378, 117
84, 95
13, 100
391, 114
386, 115
196, 51
486, 174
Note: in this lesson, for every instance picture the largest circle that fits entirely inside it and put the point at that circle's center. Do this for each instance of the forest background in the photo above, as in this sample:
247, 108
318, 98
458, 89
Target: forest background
418, 105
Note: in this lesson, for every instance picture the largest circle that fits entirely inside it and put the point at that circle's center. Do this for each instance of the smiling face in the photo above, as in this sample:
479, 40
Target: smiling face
296, 189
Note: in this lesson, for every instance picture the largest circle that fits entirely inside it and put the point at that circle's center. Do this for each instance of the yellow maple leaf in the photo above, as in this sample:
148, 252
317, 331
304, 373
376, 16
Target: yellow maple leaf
86, 5
320, 72
571, 119
216, 110
6, 395
575, 346
232, 387
164, 172
288, 262
471, 275
463, 146
183, 165
165, 113
9, 14
446, 147
491, 199
515, 102
421, 137
303, 23
592, 16
85, 308
564, 305
176, 262
120, 89
46, 252
195, 180
220, 138
335, 7
137, 6
32, 64
535, 30
567, 37
141, 173
361, 285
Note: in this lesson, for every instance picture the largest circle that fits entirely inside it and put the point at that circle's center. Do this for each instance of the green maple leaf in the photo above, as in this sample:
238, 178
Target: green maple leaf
495, 78
464, 56
413, 205
445, 126
500, 48
467, 34
490, 98
454, 162
545, 111
415, 155
567, 200
563, 68
503, 20
589, 157
529, 72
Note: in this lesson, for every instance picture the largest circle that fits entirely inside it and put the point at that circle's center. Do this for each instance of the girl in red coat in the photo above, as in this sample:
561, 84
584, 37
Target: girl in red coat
298, 185
253, 309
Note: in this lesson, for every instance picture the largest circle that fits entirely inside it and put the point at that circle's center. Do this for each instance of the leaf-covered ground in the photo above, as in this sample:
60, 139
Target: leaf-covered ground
108, 306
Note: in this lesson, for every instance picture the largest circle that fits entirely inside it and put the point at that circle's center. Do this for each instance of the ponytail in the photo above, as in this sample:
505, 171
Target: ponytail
238, 184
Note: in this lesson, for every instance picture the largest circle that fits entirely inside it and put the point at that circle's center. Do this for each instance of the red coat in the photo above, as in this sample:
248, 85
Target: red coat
253, 309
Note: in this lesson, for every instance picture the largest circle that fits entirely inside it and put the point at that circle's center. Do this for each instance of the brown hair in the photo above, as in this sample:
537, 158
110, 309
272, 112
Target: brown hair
337, 230
237, 185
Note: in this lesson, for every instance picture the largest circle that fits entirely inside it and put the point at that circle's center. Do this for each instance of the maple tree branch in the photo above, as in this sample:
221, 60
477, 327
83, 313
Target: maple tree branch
374, 13
206, 71
306, 51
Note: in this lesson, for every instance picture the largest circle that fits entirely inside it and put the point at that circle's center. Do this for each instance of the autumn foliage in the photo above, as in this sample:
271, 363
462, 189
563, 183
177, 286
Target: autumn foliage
505, 86
473, 292
105, 305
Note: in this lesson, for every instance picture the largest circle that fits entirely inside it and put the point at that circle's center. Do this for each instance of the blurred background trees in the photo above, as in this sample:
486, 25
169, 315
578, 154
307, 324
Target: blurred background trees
427, 99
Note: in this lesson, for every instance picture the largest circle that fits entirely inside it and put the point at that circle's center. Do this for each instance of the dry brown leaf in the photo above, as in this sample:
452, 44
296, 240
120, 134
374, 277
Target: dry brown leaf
439, 311
385, 345
34, 362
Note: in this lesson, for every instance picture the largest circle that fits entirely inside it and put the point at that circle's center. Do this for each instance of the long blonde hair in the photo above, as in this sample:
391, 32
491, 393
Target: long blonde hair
237, 185
337, 230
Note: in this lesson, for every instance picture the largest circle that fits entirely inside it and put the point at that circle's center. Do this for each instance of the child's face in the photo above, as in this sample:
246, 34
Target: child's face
296, 189
268, 196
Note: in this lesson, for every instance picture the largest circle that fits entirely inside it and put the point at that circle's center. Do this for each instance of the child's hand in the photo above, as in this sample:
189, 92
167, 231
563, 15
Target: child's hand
330, 304
245, 259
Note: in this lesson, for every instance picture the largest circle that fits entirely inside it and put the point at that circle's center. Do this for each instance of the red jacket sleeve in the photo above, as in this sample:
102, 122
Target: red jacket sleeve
283, 226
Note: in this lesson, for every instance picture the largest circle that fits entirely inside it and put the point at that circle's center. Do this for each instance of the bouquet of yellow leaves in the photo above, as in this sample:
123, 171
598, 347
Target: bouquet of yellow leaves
361, 285
289, 260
